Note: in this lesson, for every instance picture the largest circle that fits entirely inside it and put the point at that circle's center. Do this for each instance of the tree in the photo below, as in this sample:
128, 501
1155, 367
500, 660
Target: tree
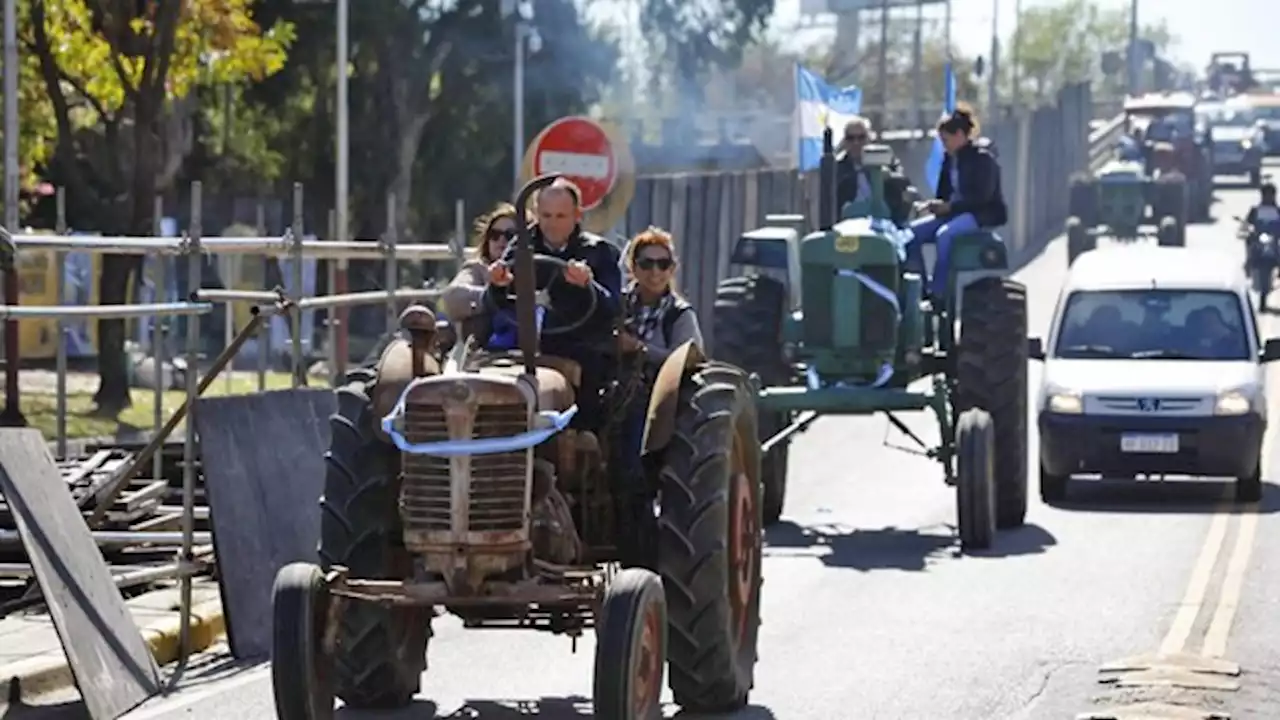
686, 39
120, 76
1059, 44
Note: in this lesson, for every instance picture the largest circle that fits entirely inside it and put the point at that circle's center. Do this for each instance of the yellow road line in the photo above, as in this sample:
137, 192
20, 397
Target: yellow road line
1180, 630
1215, 639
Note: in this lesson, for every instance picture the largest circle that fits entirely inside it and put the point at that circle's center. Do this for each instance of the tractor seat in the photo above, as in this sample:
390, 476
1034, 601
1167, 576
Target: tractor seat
557, 380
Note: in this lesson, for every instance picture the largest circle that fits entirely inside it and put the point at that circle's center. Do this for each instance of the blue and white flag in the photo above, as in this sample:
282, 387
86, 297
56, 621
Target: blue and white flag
819, 106
933, 165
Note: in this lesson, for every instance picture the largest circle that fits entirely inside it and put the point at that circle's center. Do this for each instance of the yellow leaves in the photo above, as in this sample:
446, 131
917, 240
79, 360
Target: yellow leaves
107, 54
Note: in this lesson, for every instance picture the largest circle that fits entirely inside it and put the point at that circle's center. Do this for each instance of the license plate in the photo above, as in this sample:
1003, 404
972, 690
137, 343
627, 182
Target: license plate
1146, 443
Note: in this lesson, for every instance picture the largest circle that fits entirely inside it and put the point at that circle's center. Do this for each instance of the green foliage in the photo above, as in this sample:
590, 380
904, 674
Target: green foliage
686, 39
1063, 43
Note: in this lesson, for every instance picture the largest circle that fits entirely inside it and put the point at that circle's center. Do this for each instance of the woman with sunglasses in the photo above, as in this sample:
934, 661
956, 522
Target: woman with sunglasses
463, 299
657, 319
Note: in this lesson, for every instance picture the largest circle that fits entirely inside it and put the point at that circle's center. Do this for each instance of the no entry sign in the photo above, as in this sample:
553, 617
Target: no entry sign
579, 149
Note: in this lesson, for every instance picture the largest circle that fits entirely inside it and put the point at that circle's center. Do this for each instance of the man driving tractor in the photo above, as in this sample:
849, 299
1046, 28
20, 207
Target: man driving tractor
592, 268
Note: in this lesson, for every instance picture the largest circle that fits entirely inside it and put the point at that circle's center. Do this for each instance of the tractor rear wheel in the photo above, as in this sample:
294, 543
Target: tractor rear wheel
747, 327
711, 542
380, 653
1079, 241
991, 373
1082, 199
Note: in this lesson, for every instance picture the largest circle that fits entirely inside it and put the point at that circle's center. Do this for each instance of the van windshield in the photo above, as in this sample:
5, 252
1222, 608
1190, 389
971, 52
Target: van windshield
1153, 324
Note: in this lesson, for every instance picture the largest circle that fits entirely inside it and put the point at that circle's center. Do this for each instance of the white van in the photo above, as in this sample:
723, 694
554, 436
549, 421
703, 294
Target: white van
1153, 366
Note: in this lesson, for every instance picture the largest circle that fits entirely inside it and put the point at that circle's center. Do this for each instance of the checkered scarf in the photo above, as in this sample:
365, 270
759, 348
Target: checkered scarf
644, 320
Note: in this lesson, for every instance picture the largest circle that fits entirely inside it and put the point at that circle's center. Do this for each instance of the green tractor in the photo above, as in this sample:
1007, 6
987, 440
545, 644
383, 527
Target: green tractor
1123, 203
833, 322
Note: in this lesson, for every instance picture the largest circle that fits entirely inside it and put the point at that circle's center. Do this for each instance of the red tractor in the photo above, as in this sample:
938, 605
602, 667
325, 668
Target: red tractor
1169, 119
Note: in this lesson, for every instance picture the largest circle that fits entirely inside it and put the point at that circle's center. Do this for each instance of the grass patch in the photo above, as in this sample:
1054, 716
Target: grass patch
41, 408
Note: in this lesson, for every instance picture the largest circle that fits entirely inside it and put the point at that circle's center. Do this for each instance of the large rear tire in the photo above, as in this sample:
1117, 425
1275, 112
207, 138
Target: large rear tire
747, 326
711, 541
380, 653
1079, 241
991, 373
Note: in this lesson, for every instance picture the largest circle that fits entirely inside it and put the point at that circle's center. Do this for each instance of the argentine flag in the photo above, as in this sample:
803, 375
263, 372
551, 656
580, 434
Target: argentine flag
933, 165
820, 106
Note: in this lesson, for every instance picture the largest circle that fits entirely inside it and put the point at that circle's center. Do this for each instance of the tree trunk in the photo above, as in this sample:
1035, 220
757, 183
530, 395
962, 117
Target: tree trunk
113, 377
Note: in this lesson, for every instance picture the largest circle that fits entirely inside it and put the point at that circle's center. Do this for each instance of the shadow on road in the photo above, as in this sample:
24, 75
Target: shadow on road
1157, 496
18, 710
892, 548
547, 708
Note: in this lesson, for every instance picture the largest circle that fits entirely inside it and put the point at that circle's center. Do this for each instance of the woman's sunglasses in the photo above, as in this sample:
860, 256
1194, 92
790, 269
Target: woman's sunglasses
495, 234
651, 263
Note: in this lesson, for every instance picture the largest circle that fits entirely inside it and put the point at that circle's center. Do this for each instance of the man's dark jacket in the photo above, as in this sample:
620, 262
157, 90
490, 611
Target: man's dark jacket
980, 189
895, 187
570, 301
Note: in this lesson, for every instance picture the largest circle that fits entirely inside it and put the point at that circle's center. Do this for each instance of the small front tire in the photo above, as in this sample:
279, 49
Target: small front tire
631, 647
301, 672
975, 479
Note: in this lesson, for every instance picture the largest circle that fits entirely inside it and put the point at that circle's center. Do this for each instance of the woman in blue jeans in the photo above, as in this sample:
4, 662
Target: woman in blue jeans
969, 195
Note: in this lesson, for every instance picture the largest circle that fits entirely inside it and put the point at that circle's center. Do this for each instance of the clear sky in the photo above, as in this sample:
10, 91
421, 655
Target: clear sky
1251, 26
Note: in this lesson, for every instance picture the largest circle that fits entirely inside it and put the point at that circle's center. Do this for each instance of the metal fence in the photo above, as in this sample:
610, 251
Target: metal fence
1038, 150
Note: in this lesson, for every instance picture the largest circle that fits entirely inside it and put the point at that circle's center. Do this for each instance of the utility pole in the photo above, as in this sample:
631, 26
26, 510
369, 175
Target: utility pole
917, 75
12, 415
884, 64
1017, 55
1135, 58
517, 139
993, 67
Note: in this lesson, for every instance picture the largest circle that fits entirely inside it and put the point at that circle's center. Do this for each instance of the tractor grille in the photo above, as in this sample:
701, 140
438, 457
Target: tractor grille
819, 330
879, 322
498, 481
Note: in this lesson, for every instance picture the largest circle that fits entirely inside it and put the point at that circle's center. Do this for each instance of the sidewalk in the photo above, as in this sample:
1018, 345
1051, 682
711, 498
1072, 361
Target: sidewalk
31, 653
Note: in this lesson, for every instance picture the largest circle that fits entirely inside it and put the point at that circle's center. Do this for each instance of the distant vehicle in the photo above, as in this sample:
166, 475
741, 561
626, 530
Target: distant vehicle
1229, 73
1239, 142
1153, 366
1171, 118
1266, 110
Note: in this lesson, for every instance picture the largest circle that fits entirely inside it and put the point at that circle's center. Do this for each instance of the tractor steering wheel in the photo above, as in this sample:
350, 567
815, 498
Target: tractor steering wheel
549, 271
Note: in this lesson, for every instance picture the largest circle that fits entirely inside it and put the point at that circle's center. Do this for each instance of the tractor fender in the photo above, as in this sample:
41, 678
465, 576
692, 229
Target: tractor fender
394, 371
664, 398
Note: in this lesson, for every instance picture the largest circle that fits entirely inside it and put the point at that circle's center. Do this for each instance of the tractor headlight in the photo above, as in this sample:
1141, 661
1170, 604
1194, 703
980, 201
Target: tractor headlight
1246, 144
1232, 403
1067, 403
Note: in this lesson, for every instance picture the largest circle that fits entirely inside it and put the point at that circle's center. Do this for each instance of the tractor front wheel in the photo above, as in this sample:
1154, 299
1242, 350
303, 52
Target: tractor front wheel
991, 373
975, 496
301, 671
711, 541
631, 647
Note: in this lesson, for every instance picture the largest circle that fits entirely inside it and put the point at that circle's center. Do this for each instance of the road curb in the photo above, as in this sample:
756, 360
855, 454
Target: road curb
45, 674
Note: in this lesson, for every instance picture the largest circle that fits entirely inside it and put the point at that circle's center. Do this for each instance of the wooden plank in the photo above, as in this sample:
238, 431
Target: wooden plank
112, 665
264, 473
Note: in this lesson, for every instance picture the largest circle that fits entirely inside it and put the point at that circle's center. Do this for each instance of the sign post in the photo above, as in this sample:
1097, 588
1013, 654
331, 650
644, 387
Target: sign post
593, 156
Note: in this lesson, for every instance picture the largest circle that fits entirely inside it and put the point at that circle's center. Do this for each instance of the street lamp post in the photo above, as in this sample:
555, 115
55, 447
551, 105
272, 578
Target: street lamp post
341, 185
12, 411
517, 136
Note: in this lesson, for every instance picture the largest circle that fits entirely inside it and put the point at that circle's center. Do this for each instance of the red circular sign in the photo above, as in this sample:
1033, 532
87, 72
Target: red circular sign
580, 150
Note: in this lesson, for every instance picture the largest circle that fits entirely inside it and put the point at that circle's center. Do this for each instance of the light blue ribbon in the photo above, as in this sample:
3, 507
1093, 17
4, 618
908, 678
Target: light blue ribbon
552, 422
886, 370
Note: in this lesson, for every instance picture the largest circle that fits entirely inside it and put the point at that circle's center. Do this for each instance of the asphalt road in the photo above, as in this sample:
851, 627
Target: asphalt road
871, 613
